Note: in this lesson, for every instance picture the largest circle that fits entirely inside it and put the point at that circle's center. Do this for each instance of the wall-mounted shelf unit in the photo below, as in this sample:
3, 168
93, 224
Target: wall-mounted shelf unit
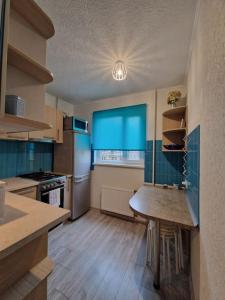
175, 111
11, 123
27, 65
166, 150
174, 129
34, 15
23, 72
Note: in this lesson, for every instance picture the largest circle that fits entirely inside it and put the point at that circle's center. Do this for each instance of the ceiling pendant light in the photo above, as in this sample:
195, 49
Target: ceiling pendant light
119, 71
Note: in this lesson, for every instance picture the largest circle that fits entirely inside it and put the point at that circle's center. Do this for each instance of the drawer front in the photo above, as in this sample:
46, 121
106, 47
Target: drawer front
27, 192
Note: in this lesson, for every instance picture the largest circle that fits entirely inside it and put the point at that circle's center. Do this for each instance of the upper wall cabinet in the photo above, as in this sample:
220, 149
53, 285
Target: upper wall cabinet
54, 118
59, 127
19, 136
50, 119
24, 71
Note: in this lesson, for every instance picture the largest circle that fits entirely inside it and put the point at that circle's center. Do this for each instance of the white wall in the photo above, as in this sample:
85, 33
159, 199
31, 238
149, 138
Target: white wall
115, 176
206, 106
66, 107
124, 177
86, 110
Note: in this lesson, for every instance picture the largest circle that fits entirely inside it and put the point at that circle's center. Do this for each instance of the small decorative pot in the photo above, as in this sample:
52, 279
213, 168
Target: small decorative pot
173, 105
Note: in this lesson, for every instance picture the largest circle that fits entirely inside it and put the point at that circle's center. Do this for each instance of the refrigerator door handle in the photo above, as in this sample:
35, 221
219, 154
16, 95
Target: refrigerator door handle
78, 179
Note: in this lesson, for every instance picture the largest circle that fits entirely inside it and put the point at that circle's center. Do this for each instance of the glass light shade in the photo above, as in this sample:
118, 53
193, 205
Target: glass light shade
119, 71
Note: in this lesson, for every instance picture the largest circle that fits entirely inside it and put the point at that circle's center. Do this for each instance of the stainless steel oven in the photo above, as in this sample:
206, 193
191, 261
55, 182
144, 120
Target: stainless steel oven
48, 182
44, 189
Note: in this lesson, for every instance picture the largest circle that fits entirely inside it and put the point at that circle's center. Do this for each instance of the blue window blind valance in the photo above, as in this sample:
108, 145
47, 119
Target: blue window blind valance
121, 128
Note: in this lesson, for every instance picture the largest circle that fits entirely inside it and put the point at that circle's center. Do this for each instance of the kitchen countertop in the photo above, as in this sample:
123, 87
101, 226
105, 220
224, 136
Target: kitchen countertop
162, 204
25, 220
18, 183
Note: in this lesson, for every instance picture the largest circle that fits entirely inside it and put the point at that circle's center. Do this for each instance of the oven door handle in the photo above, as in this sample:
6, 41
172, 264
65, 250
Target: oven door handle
46, 193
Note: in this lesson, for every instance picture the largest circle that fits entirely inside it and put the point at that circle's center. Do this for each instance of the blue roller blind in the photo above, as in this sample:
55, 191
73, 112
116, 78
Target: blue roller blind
121, 128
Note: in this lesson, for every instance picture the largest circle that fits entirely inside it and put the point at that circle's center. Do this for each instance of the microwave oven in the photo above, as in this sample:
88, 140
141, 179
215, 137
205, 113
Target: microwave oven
74, 123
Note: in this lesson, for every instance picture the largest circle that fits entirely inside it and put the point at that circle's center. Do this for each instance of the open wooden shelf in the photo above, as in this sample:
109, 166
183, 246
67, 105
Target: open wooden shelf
10, 123
35, 16
175, 130
175, 111
173, 133
166, 150
27, 65
24, 287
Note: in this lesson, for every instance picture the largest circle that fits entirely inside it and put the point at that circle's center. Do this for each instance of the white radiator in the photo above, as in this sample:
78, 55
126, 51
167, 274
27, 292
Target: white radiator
116, 200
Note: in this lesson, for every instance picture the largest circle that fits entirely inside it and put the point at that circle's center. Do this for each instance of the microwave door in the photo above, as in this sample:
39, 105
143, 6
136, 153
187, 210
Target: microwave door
76, 124
80, 125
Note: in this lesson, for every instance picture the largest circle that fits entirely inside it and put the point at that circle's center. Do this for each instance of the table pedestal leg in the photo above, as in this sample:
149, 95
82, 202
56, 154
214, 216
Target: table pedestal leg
156, 282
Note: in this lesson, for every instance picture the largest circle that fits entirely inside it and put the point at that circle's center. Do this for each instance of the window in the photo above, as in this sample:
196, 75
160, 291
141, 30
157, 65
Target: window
120, 157
119, 135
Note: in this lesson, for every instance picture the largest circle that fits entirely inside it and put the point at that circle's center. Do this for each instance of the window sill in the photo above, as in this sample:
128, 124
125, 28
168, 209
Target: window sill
119, 165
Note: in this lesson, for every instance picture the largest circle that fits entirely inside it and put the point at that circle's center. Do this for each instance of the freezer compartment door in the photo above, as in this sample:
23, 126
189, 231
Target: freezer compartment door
82, 155
81, 197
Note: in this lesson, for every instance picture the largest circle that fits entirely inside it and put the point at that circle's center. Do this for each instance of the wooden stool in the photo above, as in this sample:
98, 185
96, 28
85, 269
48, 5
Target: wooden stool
150, 242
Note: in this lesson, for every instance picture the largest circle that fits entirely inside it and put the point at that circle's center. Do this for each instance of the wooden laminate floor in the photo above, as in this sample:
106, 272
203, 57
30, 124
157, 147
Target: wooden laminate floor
102, 257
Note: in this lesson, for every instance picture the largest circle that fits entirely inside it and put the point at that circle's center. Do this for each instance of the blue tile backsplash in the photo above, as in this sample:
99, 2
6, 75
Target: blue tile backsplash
18, 157
168, 165
193, 170
148, 161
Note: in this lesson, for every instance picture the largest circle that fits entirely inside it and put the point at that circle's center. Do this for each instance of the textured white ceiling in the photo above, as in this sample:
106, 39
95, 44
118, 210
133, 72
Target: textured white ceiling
151, 36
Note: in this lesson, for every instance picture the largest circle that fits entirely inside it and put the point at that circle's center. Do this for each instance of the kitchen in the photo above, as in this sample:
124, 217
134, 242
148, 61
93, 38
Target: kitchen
111, 149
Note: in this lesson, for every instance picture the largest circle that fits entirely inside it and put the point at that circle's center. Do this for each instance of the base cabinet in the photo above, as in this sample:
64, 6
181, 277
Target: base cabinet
18, 271
30, 192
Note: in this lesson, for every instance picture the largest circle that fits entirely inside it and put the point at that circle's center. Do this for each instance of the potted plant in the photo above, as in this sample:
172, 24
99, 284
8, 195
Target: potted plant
173, 97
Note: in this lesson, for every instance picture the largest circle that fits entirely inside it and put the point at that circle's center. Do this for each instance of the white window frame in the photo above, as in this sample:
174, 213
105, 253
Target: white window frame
123, 161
